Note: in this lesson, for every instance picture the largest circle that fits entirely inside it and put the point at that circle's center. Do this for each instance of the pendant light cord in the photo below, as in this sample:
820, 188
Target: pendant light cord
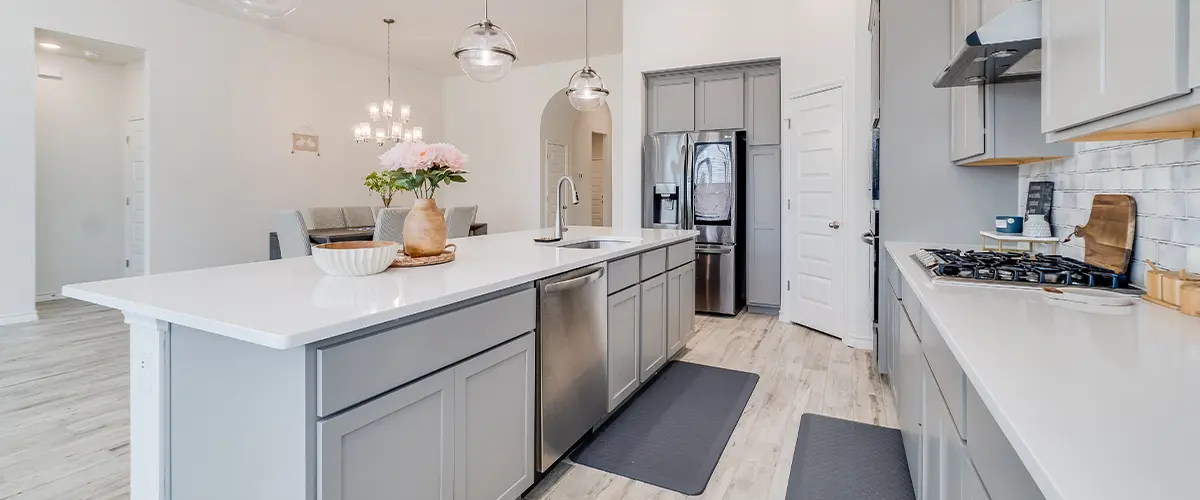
389, 59
586, 53
485, 11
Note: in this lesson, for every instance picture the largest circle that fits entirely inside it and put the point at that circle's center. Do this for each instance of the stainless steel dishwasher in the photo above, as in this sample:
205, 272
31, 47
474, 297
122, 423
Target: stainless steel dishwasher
572, 355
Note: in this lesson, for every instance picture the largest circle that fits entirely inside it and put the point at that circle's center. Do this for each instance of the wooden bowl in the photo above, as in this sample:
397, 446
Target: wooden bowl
355, 258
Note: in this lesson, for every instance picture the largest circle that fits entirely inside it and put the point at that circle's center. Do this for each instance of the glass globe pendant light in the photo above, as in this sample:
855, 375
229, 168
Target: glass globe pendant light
484, 51
586, 89
266, 9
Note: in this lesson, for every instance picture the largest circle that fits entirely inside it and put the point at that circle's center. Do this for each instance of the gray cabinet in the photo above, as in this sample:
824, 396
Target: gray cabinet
1103, 58
493, 423
681, 306
653, 345
941, 447
972, 486
764, 232
720, 101
624, 365
403, 441
910, 389
675, 338
672, 104
966, 103
464, 433
763, 112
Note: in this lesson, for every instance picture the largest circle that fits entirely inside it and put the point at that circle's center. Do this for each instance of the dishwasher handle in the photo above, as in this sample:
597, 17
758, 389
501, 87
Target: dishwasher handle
573, 283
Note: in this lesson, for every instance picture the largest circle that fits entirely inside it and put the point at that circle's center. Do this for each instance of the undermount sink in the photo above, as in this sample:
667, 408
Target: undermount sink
595, 244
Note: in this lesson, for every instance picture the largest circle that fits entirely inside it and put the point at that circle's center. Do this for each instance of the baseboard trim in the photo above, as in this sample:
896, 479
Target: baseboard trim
767, 310
12, 319
859, 343
43, 297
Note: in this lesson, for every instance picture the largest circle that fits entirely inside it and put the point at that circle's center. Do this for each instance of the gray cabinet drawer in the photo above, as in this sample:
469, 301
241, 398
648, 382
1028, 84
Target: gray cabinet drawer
623, 273
654, 263
893, 274
946, 371
1003, 474
911, 307
681, 253
359, 369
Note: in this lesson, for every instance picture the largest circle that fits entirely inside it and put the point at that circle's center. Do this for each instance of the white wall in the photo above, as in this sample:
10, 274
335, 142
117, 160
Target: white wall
558, 124
818, 42
499, 125
80, 158
223, 99
599, 121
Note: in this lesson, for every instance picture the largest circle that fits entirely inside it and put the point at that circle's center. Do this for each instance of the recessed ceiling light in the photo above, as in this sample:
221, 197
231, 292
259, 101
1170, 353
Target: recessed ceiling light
50, 45
91, 55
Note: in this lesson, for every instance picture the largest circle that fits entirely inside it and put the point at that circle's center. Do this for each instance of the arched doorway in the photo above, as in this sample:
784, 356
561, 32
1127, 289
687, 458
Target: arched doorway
578, 145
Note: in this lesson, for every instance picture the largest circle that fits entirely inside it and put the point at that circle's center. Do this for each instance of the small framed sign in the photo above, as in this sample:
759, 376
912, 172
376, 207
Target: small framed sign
308, 143
1040, 200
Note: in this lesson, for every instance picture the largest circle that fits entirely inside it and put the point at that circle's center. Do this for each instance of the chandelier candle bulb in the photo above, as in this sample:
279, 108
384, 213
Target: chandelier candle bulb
405, 113
418, 134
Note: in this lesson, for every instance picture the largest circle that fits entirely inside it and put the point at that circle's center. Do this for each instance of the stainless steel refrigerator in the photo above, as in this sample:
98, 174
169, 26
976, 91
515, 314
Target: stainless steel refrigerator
697, 181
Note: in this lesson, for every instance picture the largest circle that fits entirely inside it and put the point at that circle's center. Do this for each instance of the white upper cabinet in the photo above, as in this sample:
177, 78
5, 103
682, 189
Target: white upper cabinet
966, 103
1105, 57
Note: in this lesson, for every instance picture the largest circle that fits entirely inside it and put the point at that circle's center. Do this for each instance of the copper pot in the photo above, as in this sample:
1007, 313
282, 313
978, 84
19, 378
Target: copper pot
424, 230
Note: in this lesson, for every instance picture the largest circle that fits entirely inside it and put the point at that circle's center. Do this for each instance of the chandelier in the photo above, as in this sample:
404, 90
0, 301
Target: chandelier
386, 122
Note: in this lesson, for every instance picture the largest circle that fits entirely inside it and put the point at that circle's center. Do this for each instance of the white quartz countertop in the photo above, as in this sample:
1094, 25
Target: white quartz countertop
1097, 406
289, 303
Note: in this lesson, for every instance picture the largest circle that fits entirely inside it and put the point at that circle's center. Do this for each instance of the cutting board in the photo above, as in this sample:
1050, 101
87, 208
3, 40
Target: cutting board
1108, 234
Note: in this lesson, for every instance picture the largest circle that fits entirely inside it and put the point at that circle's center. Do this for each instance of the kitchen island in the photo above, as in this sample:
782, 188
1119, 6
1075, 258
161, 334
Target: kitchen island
1004, 395
271, 380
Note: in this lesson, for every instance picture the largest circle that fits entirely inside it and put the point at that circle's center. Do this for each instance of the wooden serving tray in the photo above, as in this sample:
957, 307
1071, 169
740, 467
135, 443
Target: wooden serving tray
403, 260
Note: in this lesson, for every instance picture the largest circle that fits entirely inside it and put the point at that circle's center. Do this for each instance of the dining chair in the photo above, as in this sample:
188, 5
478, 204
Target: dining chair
292, 233
358, 216
389, 226
323, 218
459, 220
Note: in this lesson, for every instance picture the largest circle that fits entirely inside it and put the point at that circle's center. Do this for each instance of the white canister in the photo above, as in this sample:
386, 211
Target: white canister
1036, 226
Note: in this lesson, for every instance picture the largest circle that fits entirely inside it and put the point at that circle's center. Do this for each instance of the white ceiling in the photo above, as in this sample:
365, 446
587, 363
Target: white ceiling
425, 30
77, 46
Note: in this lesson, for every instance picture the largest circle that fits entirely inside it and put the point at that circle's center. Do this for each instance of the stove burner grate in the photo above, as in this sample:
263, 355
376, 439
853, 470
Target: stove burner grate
1019, 268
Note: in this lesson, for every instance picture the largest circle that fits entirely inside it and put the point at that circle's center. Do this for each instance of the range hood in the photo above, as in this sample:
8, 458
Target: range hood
995, 47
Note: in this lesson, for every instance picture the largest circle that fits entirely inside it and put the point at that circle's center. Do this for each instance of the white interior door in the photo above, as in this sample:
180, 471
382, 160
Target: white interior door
816, 260
554, 169
135, 199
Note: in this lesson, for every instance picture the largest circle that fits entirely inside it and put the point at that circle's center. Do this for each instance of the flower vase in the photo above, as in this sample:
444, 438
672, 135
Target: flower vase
424, 230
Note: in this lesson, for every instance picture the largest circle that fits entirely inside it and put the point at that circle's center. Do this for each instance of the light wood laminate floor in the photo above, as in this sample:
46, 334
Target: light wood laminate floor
64, 417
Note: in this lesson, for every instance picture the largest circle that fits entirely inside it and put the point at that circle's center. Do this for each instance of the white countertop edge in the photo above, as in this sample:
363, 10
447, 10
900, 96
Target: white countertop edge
289, 341
918, 284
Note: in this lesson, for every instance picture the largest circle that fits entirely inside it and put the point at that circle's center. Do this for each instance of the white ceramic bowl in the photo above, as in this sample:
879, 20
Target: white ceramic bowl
355, 258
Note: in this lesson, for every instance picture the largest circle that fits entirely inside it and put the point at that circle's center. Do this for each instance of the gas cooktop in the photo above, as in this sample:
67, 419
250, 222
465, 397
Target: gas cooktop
1016, 269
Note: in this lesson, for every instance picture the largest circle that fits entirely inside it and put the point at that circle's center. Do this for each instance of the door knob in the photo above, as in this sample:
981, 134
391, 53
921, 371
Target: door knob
835, 224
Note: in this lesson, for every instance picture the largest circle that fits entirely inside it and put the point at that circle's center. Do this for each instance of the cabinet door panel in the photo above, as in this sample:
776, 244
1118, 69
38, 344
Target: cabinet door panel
720, 101
762, 287
1071, 62
494, 405
653, 352
674, 305
672, 105
624, 364
765, 107
966, 103
687, 292
912, 400
972, 487
403, 441
1143, 52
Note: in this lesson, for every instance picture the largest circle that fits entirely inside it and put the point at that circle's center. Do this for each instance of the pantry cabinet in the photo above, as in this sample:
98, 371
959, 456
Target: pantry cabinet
1103, 58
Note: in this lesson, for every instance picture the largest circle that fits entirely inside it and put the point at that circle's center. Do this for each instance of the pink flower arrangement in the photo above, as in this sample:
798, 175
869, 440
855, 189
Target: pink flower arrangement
424, 167
413, 156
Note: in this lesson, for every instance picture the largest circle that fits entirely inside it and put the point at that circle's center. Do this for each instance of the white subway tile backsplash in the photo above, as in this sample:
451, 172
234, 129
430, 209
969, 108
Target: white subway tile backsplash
1111, 180
1143, 155
1170, 152
1131, 180
1158, 178
1162, 176
1157, 228
1172, 204
1172, 256
1185, 177
1121, 157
